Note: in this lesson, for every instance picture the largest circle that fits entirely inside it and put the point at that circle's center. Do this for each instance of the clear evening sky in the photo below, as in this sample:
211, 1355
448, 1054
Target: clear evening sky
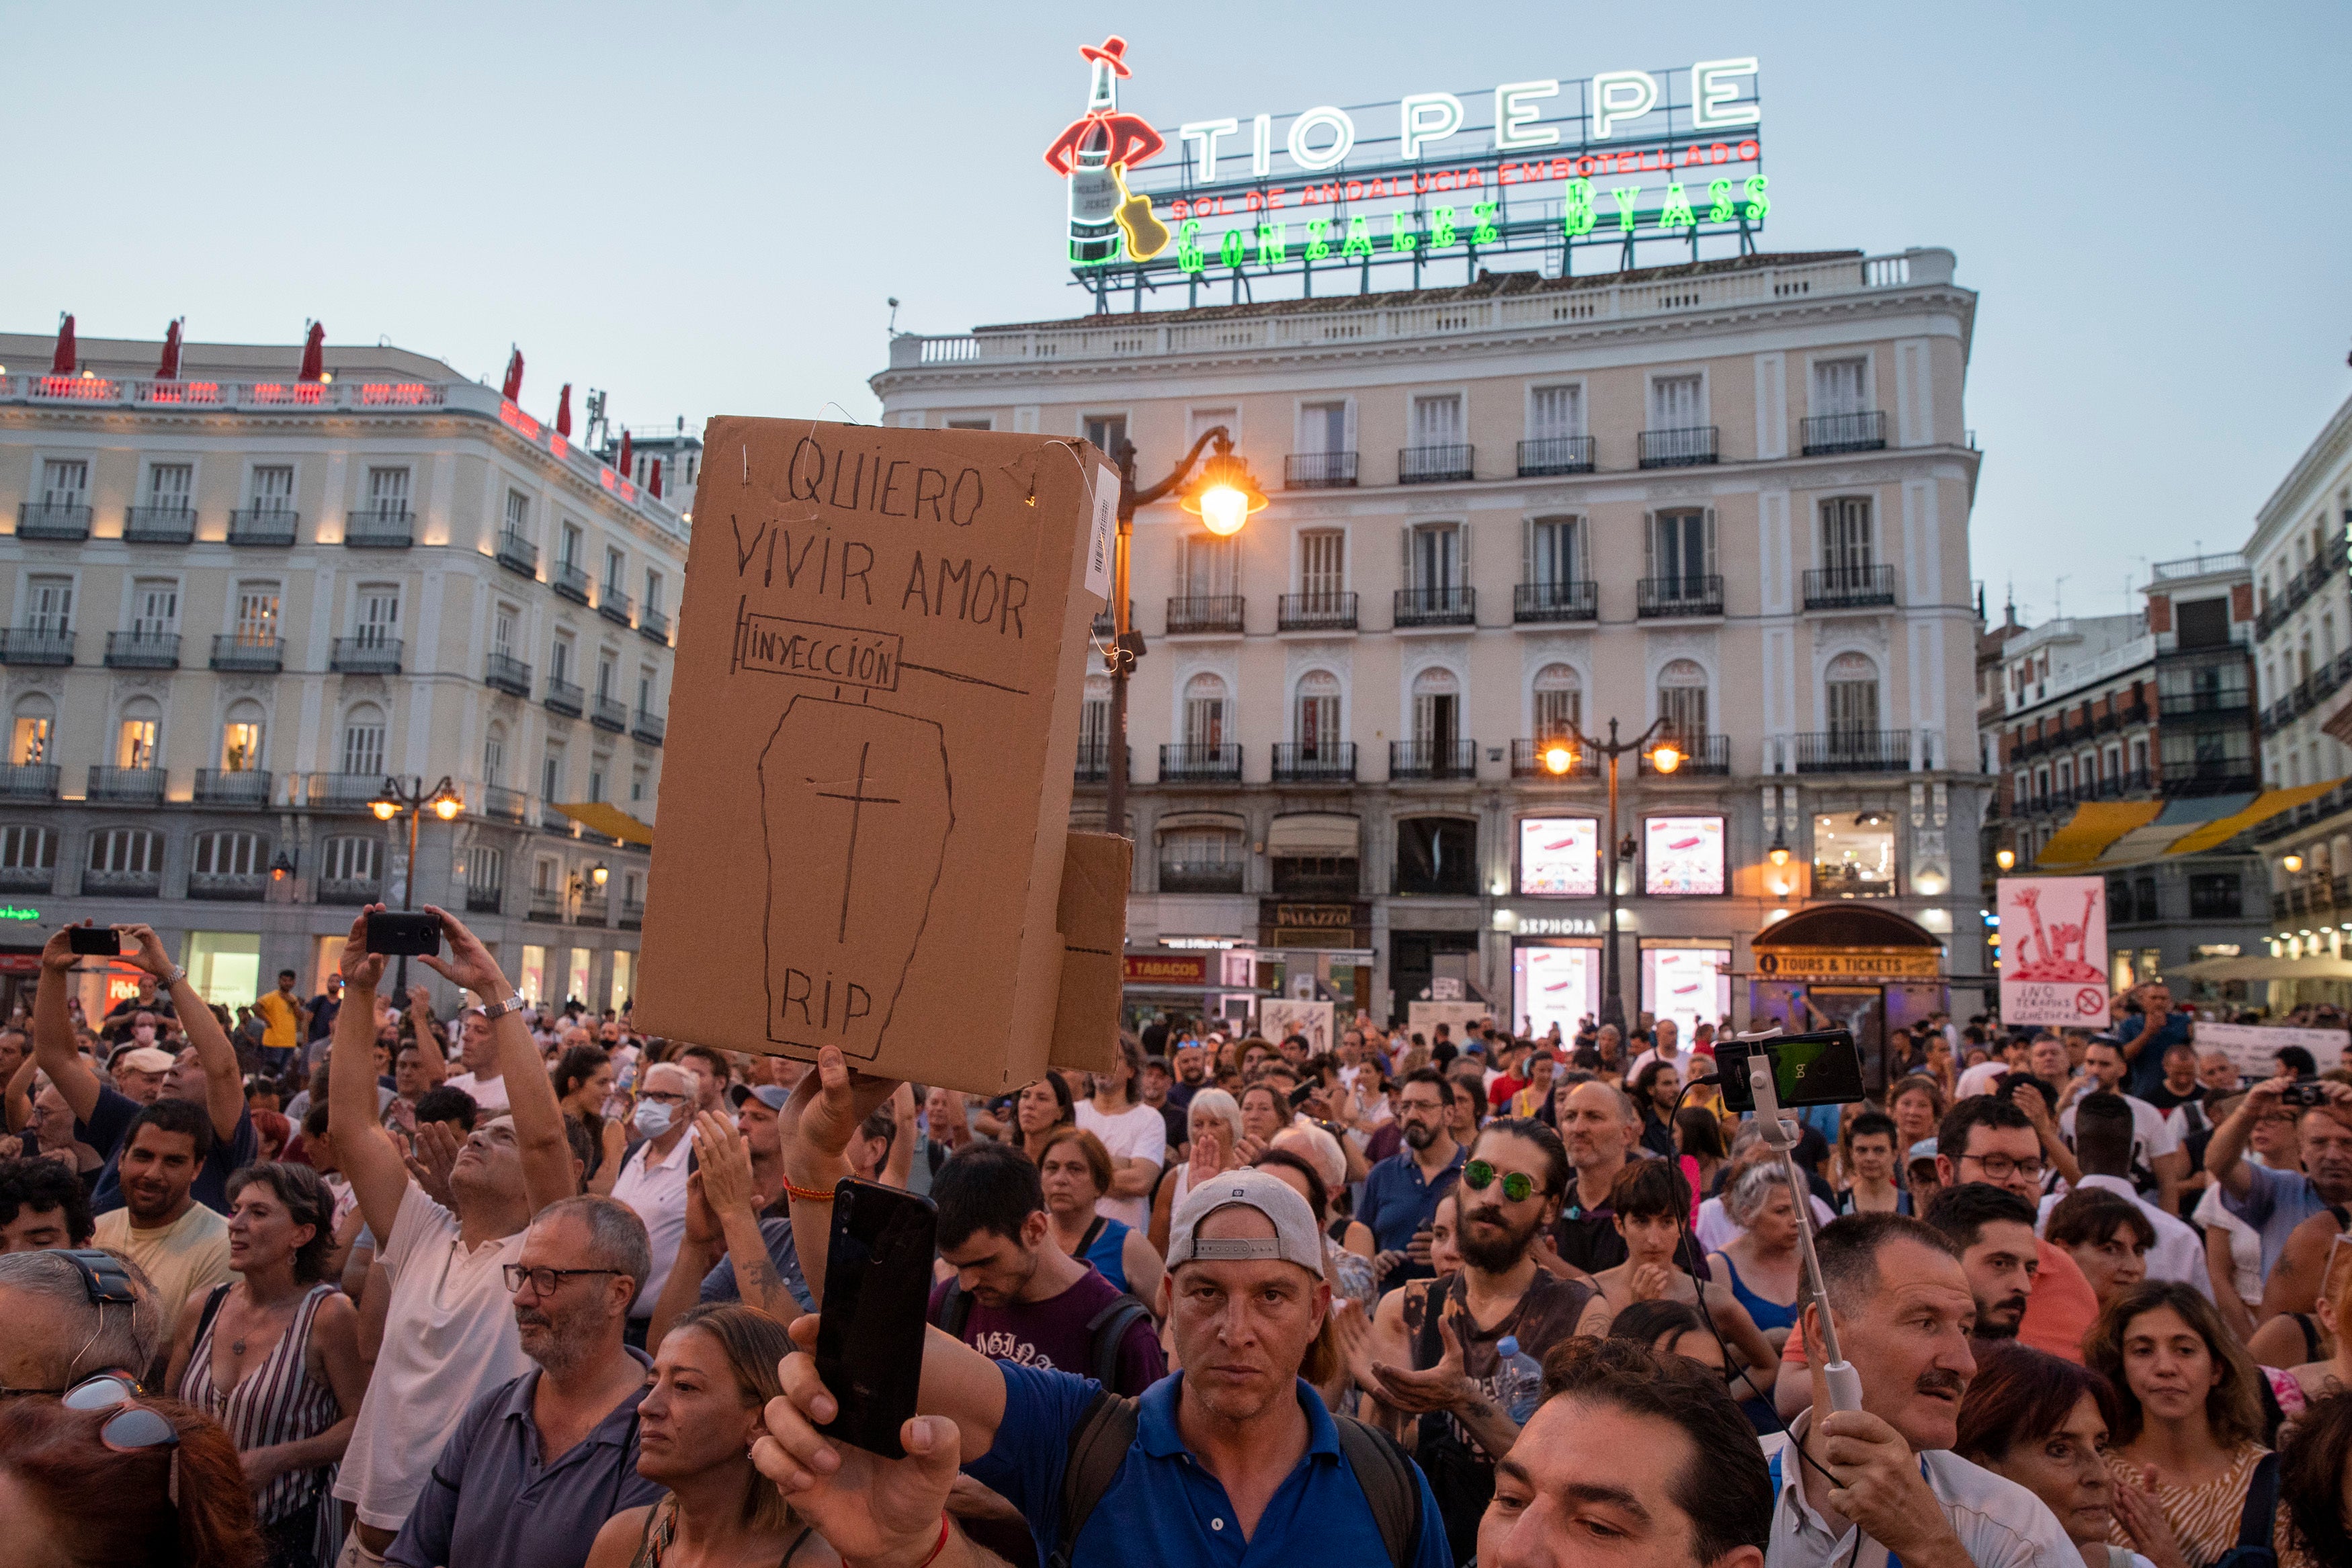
703, 206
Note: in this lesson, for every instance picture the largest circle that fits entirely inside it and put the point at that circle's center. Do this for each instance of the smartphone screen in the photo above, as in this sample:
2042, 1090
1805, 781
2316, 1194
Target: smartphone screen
94, 940
877, 1286
1822, 1069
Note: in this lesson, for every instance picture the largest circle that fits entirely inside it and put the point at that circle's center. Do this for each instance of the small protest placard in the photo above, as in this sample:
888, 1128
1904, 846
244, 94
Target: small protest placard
2053, 949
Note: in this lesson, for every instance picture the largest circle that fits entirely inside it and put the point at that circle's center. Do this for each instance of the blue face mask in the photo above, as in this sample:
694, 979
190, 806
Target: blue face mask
652, 1119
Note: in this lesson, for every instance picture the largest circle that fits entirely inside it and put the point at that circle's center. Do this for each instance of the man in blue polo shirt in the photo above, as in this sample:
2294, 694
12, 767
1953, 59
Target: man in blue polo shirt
1233, 1460
1402, 1193
2272, 1201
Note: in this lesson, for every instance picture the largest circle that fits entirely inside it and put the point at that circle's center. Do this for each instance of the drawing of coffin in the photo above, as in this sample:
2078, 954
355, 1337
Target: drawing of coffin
858, 807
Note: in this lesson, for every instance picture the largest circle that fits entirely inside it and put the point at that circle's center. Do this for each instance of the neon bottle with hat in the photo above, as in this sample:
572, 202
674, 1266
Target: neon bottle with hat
1095, 152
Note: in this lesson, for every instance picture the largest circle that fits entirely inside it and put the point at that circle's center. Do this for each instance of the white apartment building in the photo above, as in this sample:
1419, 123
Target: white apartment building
236, 603
1732, 496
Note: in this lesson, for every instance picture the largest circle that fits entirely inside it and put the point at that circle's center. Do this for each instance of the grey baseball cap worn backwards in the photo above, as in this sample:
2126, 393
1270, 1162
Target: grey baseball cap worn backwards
1295, 1238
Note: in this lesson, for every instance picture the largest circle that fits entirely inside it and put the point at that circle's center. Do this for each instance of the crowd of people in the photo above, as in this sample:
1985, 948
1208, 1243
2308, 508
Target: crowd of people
343, 1281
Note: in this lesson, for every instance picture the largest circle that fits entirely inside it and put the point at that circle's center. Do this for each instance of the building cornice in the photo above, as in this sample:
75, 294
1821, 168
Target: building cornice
2327, 452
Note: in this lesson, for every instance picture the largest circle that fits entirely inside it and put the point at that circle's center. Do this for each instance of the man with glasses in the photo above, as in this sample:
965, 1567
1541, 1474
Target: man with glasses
1400, 1194
653, 1178
70, 1314
1989, 1139
539, 1463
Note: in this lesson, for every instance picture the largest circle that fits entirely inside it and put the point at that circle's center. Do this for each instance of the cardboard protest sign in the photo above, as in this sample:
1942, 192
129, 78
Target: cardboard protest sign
2053, 949
1092, 918
865, 807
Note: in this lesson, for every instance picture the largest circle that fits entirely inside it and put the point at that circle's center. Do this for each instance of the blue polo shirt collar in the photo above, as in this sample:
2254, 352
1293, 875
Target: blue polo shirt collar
614, 1428
1155, 1420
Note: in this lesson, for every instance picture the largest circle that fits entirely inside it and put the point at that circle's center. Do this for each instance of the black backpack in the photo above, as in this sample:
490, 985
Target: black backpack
1100, 1444
1105, 1330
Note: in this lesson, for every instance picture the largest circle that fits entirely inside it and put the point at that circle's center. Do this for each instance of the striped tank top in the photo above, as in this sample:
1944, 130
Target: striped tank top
278, 1402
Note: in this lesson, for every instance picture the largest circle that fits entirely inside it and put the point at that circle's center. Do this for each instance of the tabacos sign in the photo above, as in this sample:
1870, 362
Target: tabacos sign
1612, 158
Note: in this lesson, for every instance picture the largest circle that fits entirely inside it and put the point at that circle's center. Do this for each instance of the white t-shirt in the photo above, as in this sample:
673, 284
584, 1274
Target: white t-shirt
2152, 1133
489, 1093
655, 1190
450, 1334
2179, 1255
1983, 1078
1137, 1132
1717, 1231
1679, 1062
2245, 1244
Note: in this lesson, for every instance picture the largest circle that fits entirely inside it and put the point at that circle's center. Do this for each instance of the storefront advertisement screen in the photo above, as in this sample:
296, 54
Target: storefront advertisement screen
1559, 857
1682, 855
1687, 984
1553, 985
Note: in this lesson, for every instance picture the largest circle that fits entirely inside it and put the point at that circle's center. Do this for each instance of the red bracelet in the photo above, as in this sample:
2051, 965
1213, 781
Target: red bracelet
815, 1195
929, 1557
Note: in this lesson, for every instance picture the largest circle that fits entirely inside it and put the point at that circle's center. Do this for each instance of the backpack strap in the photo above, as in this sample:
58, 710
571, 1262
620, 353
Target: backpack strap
1392, 1484
1099, 1447
955, 1311
1107, 1331
2259, 1518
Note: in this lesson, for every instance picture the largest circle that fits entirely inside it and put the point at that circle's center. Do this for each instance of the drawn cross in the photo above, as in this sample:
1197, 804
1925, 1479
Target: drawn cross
858, 800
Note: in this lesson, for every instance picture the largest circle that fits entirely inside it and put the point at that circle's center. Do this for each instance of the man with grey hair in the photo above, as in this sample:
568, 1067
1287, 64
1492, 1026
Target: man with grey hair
73, 1313
1600, 1129
653, 1178
540, 1462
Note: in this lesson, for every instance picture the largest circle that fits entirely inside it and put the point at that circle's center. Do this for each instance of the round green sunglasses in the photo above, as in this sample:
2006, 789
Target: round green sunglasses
1479, 1175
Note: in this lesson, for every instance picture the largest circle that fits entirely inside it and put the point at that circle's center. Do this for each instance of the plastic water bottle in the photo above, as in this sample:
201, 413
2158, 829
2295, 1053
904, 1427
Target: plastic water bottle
1518, 1381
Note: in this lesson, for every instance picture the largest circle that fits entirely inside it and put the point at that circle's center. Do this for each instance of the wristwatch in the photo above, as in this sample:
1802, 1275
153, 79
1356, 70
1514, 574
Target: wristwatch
513, 1004
175, 978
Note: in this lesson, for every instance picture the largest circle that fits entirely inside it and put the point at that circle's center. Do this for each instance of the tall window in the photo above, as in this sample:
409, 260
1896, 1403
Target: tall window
1434, 563
154, 607
28, 741
1322, 562
1107, 431
350, 859
363, 740
518, 514
1682, 700
135, 736
1555, 414
617, 570
387, 492
1323, 427
1209, 566
645, 688
230, 854
654, 591
502, 630
273, 489
27, 849
1205, 711
494, 756
257, 614
48, 605
1852, 696
65, 482
1437, 710
571, 556
241, 739
1845, 535
604, 678
1319, 715
170, 486
550, 774
1437, 421
1559, 701
127, 850
559, 659
1093, 719
1556, 552
598, 767
1677, 403
379, 624
486, 870
1837, 387
1682, 553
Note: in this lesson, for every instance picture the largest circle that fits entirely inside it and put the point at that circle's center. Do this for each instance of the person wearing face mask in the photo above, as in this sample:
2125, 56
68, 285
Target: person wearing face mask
653, 1178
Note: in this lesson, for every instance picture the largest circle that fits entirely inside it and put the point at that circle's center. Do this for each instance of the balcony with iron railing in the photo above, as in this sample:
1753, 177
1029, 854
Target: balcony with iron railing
1201, 876
57, 522
1556, 454
1436, 607
142, 650
569, 582
1540, 603
1657, 598
263, 527
379, 527
159, 525
2308, 693
1216, 614
1433, 759
545, 904
517, 554
229, 886
341, 791
608, 713
1323, 612
1692, 447
502, 805
613, 604
486, 900
243, 787
347, 889
99, 883
250, 652
633, 914
1707, 756
1435, 465
1094, 762
28, 781
365, 656
1318, 762
595, 907
653, 625
1219, 764
1849, 587
1319, 471
1829, 432
564, 697
1528, 761
2223, 776
127, 786
507, 674
1855, 751
648, 728
2233, 702
37, 645
2324, 567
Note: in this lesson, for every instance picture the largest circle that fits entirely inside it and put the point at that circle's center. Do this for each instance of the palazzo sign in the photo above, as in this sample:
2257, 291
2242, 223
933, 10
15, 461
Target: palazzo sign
1545, 165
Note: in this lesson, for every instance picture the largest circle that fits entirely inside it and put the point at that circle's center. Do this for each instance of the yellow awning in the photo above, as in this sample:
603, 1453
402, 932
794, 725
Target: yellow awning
2093, 827
601, 817
2265, 805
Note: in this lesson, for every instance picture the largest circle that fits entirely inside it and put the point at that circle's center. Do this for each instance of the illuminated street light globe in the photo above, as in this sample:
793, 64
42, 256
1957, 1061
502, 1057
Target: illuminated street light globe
1667, 758
2004, 858
447, 806
2293, 863
384, 810
1779, 854
1226, 493
1559, 757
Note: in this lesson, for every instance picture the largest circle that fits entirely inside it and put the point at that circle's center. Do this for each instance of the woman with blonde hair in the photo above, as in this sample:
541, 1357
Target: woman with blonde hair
711, 1379
1214, 1122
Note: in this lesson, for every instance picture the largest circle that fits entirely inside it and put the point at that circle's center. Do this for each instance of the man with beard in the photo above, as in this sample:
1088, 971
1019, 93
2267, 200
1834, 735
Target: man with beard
1992, 1230
1904, 1309
1598, 1127
182, 1245
539, 1463
1191, 1074
1401, 1192
1433, 1347
2274, 1202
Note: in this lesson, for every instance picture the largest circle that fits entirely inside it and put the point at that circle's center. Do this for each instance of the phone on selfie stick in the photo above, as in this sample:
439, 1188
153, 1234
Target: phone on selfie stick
1760, 1072
878, 1291
94, 941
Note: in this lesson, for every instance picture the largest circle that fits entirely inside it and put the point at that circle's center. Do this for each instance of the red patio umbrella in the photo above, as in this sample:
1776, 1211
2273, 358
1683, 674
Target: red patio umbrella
657, 479
61, 363
624, 463
169, 371
512, 391
564, 412
314, 355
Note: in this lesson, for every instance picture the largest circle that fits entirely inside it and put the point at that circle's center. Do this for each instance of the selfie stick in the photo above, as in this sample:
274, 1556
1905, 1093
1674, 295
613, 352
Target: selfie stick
1845, 1384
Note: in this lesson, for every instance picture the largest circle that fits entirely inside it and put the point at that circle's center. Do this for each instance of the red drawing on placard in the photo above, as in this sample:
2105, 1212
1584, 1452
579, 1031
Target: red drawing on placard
2055, 962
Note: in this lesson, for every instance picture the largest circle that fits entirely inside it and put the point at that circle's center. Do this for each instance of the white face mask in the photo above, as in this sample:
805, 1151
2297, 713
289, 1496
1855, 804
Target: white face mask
651, 1118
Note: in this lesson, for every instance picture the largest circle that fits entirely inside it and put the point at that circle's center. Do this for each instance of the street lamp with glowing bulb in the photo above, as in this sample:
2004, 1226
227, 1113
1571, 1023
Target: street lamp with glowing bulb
1559, 757
1779, 852
1665, 756
1226, 494
2294, 864
2004, 858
